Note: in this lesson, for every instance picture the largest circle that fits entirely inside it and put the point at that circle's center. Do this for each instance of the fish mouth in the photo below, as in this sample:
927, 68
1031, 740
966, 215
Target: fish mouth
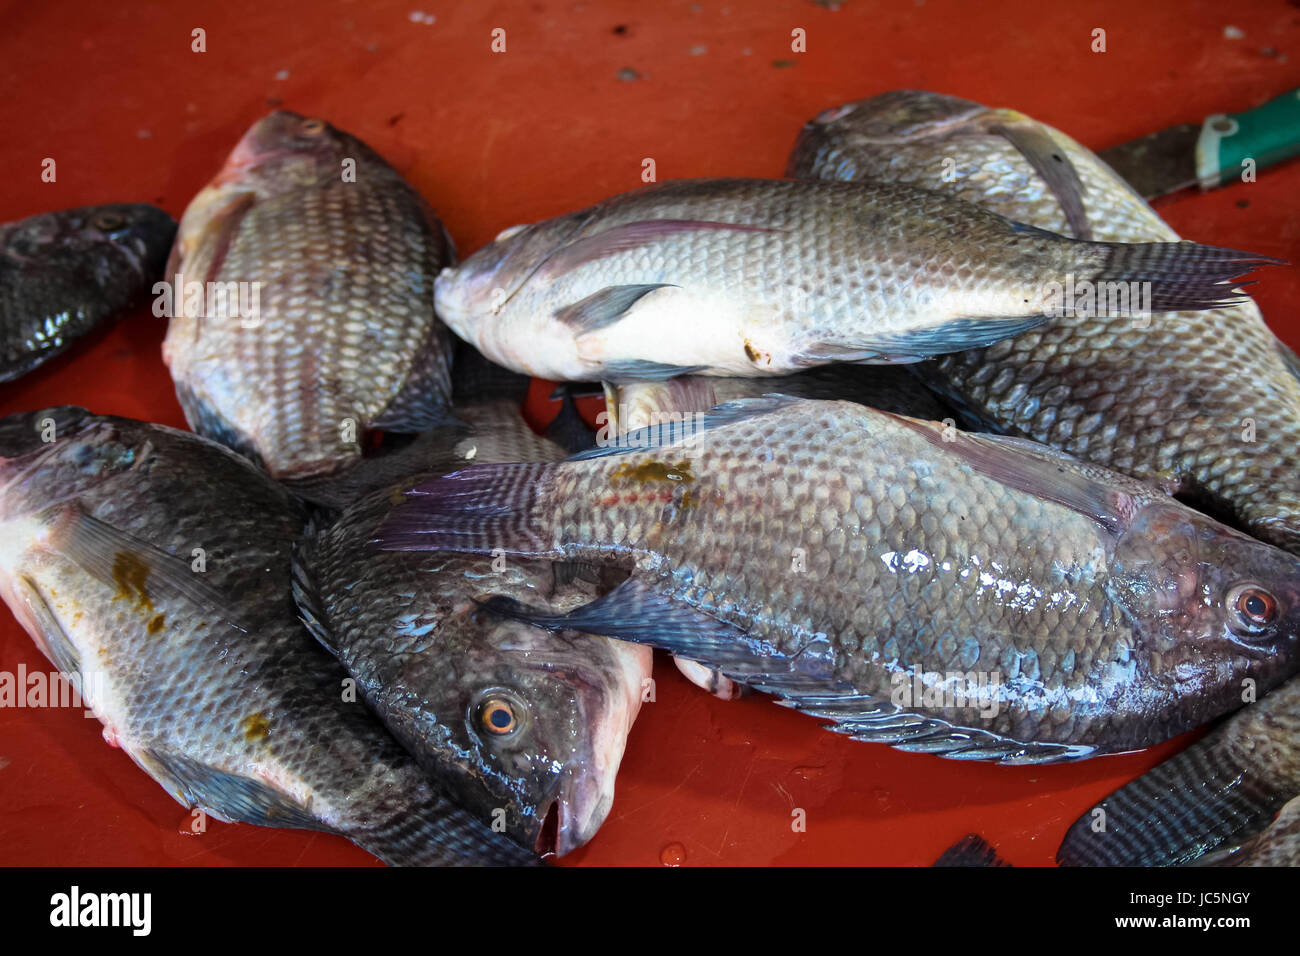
573, 817
548, 838
610, 698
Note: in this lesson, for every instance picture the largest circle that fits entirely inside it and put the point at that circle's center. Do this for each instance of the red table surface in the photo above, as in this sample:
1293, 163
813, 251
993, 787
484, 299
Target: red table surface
115, 95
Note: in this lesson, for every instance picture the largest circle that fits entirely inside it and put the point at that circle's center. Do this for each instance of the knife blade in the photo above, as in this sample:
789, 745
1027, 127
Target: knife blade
1225, 147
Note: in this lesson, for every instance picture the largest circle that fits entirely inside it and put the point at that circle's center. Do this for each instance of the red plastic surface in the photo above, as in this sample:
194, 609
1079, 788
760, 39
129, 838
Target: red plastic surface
584, 92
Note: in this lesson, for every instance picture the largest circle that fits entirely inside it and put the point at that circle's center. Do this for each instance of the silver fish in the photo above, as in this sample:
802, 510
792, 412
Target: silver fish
1206, 404
749, 277
315, 262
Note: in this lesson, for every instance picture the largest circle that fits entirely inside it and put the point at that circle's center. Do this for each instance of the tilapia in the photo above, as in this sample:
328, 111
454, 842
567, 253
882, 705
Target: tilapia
636, 405
970, 595
1206, 404
1279, 845
64, 274
154, 567
315, 321
752, 277
1223, 790
520, 722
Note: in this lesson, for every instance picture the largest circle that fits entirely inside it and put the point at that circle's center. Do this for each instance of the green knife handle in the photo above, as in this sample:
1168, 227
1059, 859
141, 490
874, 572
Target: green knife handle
1267, 134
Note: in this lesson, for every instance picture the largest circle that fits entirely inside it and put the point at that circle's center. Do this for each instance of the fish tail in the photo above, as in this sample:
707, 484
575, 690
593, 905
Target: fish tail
436, 832
1173, 276
1181, 809
487, 509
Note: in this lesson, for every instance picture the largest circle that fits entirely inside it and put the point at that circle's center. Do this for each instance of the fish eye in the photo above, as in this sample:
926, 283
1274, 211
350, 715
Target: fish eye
499, 715
108, 222
312, 127
1254, 607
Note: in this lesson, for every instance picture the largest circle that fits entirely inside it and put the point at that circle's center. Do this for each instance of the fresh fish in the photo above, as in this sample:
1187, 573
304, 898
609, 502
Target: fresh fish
63, 274
334, 255
752, 277
521, 722
1221, 791
484, 424
1279, 845
642, 404
208, 680
1206, 404
970, 595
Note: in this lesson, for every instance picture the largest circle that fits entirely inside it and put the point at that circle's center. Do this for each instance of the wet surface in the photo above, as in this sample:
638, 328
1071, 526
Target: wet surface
582, 97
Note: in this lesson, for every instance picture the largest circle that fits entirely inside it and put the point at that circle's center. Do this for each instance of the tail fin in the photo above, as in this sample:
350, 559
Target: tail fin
971, 850
1183, 276
477, 510
432, 451
439, 833
1185, 807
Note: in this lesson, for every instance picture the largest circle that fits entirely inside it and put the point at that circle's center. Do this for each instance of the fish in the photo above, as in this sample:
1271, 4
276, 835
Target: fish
1222, 791
65, 274
1279, 845
975, 596
153, 566
1205, 404
638, 405
634, 405
748, 277
331, 255
518, 721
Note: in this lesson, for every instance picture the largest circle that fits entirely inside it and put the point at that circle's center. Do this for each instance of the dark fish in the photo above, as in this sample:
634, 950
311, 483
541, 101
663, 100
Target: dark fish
63, 274
524, 725
334, 255
745, 277
1223, 790
970, 595
1206, 404
1279, 845
154, 566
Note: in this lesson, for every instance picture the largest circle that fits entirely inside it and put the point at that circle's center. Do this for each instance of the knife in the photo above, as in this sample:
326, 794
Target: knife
1211, 153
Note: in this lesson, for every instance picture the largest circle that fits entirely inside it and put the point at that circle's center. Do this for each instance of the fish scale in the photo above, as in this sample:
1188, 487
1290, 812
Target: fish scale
64, 273
347, 331
1168, 403
735, 277
207, 680
786, 543
408, 630
1219, 793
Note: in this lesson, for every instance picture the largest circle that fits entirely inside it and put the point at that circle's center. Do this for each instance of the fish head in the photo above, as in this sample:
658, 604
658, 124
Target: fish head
1211, 607
285, 151
896, 115
96, 240
484, 283
901, 135
58, 455
529, 722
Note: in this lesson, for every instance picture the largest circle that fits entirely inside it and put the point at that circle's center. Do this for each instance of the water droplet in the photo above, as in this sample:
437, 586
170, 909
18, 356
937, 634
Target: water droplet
674, 854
